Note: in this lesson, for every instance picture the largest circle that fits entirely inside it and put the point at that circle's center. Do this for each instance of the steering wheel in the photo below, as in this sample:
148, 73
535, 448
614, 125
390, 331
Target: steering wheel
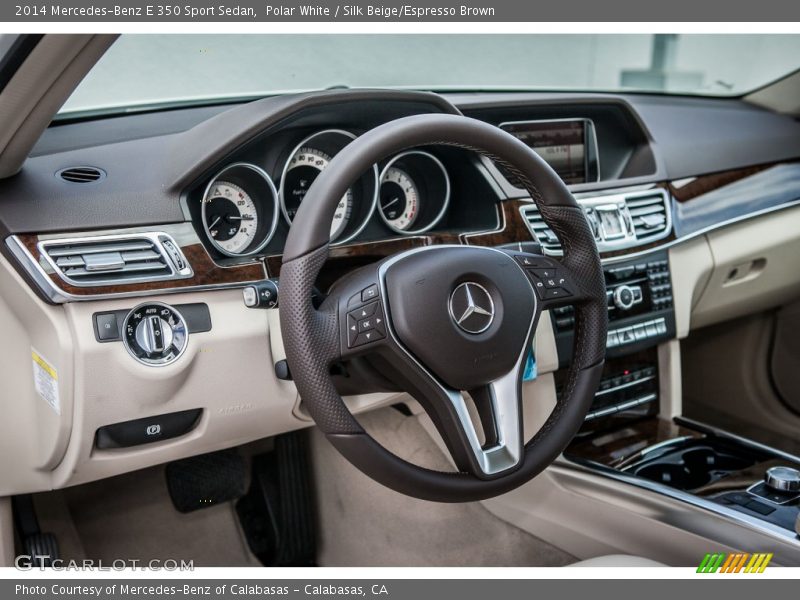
442, 320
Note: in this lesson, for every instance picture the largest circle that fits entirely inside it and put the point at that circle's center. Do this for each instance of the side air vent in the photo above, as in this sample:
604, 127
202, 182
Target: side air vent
618, 221
114, 260
81, 174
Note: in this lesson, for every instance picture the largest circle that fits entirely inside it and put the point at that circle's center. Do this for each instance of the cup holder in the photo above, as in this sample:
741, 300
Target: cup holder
692, 466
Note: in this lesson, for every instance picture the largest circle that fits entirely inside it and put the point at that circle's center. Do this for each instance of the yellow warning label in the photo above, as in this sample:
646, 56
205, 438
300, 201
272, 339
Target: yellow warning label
45, 379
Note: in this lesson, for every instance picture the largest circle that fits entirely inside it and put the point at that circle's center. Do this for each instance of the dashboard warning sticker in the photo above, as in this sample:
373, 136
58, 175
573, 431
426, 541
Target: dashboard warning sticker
45, 378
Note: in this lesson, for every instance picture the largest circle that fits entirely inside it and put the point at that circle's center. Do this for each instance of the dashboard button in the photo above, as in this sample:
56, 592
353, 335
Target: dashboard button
107, 327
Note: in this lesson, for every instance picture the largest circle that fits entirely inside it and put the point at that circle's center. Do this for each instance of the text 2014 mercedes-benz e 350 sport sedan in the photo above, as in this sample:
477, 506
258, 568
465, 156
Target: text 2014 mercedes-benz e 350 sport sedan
399, 300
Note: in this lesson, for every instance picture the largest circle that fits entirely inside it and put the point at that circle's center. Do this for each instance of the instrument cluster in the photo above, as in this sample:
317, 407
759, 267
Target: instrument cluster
242, 205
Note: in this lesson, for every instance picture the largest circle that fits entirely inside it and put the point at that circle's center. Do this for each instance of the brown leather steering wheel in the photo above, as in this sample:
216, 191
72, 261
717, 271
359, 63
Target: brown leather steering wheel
445, 320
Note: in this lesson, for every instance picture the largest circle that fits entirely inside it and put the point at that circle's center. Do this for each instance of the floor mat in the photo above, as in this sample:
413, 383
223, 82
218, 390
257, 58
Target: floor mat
131, 517
363, 523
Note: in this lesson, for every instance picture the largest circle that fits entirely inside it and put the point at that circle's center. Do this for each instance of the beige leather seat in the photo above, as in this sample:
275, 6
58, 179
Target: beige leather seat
618, 560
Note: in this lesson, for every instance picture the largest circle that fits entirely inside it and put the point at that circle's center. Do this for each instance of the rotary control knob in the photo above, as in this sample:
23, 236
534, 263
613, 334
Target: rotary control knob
623, 297
155, 334
784, 479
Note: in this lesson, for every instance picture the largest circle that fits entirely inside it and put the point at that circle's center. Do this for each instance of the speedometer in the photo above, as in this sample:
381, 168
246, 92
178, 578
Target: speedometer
231, 216
303, 168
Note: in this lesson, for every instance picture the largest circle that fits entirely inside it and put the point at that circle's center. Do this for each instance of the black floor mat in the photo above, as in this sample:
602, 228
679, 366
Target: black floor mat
205, 480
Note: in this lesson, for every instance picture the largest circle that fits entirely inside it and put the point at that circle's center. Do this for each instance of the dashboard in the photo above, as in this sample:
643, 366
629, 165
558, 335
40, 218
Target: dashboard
116, 223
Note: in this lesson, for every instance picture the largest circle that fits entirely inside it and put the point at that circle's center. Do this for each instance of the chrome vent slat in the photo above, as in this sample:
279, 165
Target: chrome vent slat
70, 249
135, 268
646, 210
139, 255
109, 260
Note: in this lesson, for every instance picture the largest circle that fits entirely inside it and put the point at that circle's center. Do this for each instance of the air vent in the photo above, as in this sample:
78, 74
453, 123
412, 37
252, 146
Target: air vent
113, 260
619, 220
540, 229
81, 174
649, 215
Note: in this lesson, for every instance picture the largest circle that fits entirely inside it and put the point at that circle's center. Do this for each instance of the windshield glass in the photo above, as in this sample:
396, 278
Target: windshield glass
145, 70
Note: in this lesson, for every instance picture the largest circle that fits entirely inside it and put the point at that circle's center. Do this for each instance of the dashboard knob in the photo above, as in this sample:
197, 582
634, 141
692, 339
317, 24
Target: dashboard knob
623, 297
155, 334
784, 479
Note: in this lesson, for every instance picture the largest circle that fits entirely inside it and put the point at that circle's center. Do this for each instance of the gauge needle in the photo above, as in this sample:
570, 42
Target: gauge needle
388, 204
240, 218
217, 220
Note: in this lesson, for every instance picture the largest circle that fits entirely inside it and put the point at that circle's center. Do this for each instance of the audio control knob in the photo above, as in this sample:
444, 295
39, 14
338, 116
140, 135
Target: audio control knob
155, 334
784, 479
623, 297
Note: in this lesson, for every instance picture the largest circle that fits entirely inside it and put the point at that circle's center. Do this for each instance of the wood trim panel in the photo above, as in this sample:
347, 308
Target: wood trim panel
206, 273
708, 183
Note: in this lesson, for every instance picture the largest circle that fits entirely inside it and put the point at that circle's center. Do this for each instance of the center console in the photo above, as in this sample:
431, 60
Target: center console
624, 437
641, 315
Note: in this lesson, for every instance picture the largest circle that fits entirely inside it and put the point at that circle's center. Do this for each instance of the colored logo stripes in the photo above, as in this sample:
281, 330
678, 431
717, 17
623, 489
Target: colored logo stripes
739, 562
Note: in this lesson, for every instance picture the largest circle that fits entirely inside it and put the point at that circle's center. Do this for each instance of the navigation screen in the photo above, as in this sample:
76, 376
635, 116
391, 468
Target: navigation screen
561, 143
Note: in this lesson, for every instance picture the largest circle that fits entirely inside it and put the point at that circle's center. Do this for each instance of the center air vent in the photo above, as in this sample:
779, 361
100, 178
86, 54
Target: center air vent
619, 221
81, 174
113, 260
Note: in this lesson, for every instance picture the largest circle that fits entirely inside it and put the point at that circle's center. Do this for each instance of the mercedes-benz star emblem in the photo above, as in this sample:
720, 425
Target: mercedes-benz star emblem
471, 307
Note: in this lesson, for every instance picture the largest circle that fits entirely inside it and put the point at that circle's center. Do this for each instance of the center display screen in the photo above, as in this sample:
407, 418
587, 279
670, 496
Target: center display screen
561, 143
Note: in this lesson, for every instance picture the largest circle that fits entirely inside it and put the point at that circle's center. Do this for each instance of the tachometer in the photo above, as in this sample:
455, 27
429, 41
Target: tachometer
415, 192
240, 210
303, 168
399, 199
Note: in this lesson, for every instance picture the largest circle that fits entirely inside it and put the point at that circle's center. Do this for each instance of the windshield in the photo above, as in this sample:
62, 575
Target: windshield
146, 70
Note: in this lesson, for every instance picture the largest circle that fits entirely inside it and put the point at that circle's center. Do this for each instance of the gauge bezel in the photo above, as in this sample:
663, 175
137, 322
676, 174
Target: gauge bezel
372, 203
445, 201
164, 362
275, 201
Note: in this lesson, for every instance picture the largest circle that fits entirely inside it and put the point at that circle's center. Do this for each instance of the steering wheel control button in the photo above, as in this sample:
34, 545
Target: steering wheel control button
554, 293
365, 324
471, 307
370, 293
155, 334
